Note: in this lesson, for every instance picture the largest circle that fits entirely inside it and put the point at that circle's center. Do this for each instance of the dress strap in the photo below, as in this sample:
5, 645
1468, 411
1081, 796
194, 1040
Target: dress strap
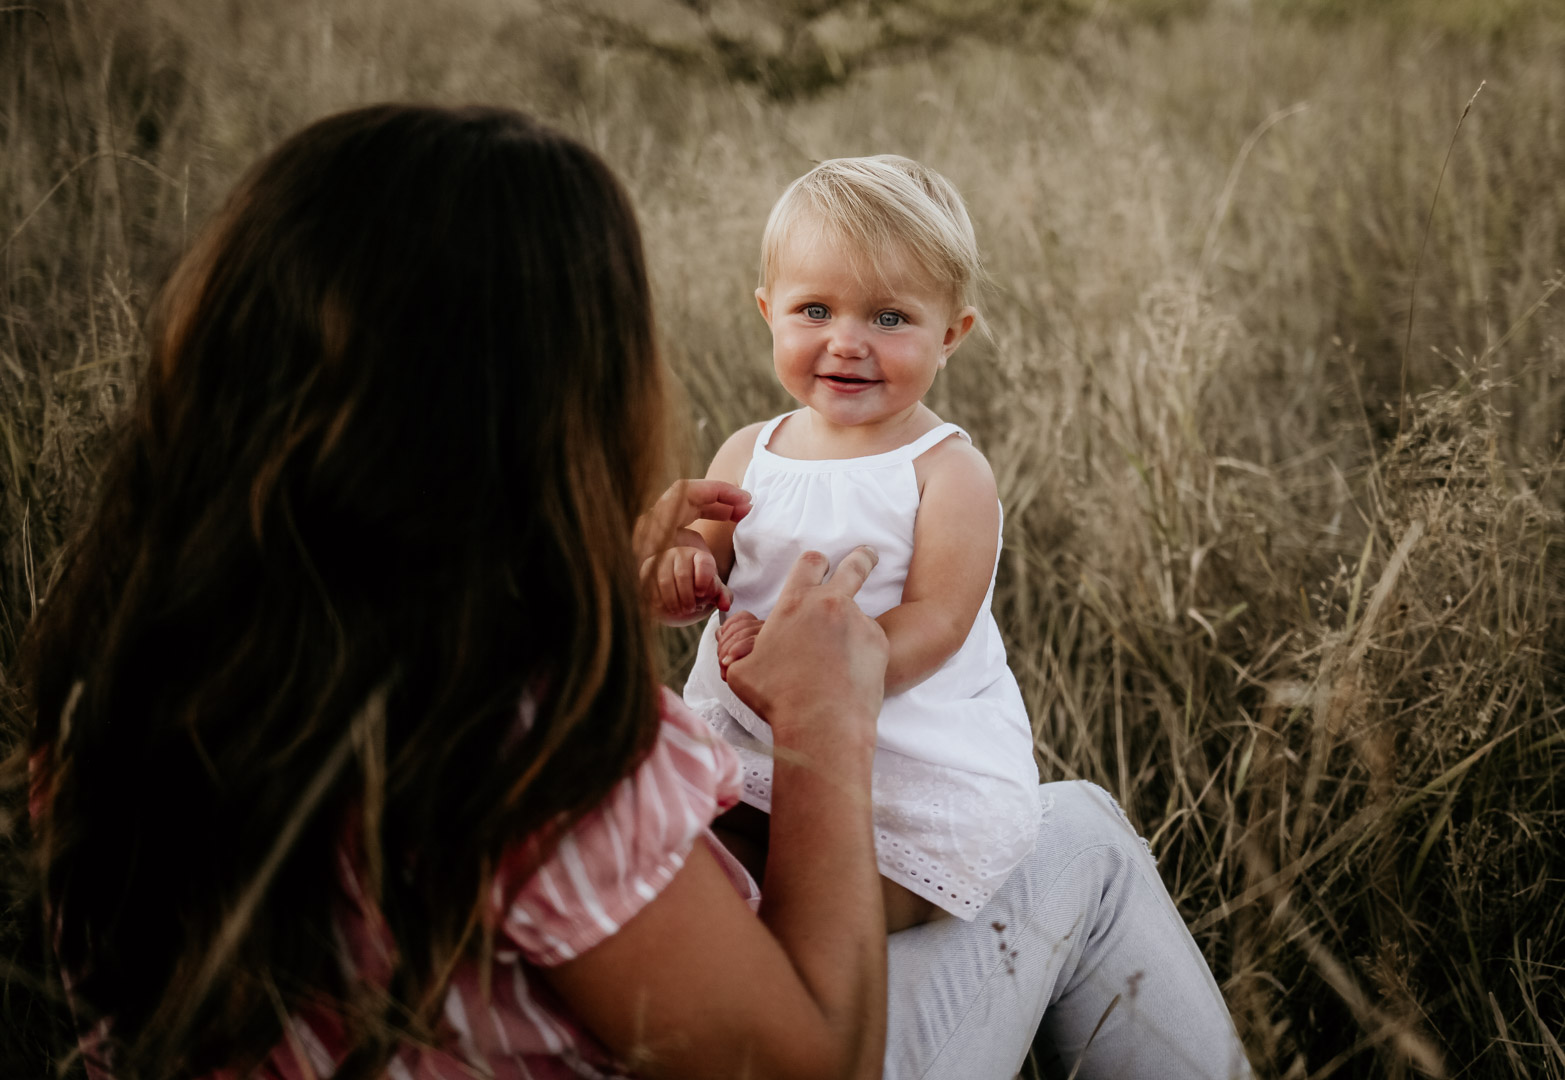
764, 436
930, 438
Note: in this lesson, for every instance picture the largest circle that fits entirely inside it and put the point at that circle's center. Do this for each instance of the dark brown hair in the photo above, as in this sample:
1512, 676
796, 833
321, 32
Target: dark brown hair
376, 490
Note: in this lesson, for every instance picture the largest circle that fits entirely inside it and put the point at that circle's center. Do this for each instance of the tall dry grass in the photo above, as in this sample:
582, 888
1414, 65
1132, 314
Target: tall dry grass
1305, 626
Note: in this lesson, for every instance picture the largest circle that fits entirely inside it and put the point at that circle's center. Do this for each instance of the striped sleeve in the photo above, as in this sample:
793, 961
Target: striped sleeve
623, 853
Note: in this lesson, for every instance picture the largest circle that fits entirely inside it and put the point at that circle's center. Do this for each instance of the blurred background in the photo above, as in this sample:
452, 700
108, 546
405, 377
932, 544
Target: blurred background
1277, 429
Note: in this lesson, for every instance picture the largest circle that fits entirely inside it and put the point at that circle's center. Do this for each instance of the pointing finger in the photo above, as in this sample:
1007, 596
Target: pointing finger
854, 568
808, 570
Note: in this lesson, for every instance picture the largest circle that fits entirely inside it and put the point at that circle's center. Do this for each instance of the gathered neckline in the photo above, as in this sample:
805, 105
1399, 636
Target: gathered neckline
895, 456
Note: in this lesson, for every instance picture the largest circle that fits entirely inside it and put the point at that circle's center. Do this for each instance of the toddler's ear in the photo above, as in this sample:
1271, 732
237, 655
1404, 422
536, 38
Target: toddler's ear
959, 327
764, 302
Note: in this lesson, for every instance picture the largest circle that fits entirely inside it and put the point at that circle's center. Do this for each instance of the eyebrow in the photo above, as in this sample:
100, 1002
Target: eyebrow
882, 300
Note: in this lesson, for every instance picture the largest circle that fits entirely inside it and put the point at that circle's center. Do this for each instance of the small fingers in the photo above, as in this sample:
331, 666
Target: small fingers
738, 621
684, 579
735, 622
654, 587
668, 588
703, 572
739, 640
738, 650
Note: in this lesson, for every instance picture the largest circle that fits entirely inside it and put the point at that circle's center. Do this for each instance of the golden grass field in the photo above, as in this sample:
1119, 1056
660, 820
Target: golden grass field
1283, 566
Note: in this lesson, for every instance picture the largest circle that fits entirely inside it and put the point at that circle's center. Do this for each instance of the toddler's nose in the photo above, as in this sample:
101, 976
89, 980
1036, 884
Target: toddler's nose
849, 341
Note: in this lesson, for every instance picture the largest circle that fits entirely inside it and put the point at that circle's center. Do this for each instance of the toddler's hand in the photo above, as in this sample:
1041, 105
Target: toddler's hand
736, 637
681, 583
678, 573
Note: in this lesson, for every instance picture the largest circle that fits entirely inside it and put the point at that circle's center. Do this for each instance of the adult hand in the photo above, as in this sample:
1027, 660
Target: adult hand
686, 501
817, 655
678, 573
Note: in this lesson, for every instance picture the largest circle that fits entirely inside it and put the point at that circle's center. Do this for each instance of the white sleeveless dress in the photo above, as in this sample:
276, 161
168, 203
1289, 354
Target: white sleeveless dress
955, 785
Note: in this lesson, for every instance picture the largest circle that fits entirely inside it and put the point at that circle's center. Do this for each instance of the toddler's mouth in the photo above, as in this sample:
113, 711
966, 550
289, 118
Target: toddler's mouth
848, 382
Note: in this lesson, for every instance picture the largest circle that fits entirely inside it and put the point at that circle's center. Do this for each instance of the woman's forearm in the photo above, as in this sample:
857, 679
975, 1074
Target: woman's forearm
816, 674
822, 899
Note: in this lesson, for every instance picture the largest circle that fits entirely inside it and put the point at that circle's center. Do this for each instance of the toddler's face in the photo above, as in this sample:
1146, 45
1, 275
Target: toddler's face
859, 344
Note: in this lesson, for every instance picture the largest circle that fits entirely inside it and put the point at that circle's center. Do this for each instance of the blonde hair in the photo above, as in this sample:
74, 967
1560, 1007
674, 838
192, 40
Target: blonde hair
877, 205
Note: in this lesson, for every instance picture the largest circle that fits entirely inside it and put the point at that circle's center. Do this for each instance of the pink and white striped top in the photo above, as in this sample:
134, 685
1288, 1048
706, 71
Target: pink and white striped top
613, 862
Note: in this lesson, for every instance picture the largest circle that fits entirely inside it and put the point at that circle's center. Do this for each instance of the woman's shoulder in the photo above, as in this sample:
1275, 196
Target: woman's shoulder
623, 852
686, 737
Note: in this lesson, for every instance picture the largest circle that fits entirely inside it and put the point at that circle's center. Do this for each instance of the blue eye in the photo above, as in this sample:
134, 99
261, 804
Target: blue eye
889, 319
815, 311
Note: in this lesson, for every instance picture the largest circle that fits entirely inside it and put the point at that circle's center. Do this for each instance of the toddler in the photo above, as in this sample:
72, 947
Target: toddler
867, 266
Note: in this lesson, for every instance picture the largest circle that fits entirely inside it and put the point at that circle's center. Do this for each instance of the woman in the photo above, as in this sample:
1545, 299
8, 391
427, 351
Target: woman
348, 754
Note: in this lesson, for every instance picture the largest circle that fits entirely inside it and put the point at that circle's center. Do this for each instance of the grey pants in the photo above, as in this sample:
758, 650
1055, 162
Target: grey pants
1083, 920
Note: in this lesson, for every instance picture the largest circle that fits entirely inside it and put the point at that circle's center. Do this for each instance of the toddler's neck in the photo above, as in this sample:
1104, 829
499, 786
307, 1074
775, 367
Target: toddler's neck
807, 436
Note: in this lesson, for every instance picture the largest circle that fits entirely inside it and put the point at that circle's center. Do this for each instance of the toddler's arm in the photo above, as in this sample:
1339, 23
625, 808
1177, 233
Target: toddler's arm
955, 539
